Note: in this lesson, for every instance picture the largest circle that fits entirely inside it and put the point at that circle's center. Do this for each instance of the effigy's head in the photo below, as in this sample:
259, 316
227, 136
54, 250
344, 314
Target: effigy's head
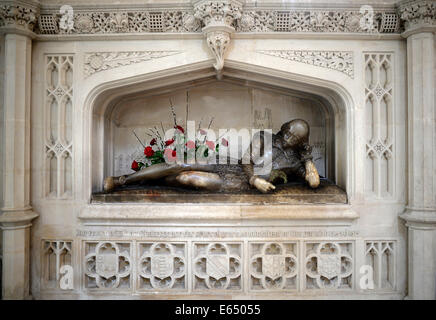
295, 132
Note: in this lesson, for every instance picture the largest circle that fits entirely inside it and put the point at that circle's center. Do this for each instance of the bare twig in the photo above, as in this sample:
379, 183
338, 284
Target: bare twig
138, 138
208, 127
172, 111
222, 135
163, 130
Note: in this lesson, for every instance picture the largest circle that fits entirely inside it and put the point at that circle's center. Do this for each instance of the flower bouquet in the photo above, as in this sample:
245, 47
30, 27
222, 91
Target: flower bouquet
161, 150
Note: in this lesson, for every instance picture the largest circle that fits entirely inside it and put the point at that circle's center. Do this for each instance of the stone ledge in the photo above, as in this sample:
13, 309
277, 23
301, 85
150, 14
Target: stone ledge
226, 212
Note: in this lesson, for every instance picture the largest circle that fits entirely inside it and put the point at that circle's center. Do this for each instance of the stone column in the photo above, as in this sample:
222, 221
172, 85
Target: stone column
420, 214
16, 21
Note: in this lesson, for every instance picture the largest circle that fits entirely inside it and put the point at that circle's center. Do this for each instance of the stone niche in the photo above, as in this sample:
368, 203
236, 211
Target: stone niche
228, 103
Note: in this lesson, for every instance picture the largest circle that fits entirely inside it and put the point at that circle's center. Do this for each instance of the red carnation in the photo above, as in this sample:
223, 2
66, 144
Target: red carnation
203, 132
210, 144
153, 142
225, 142
190, 144
135, 165
179, 128
169, 142
148, 151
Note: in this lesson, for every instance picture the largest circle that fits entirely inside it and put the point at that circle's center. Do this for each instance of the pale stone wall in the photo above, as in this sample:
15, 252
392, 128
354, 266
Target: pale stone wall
78, 223
375, 85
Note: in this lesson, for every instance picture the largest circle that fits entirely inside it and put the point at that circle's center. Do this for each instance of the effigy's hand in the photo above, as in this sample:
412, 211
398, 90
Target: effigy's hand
262, 185
312, 176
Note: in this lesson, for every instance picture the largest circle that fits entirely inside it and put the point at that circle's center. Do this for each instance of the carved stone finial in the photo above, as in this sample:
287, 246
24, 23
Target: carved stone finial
218, 18
418, 15
17, 16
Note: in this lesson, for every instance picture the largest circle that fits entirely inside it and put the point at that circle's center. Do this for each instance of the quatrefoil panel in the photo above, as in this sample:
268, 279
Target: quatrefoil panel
107, 265
217, 266
162, 266
273, 266
329, 265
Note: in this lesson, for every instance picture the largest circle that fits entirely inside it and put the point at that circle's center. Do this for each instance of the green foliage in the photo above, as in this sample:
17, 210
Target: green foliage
157, 157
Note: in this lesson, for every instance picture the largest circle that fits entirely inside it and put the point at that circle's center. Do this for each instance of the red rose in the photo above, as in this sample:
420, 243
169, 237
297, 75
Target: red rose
190, 144
169, 142
153, 142
174, 153
179, 128
210, 144
148, 151
225, 142
135, 165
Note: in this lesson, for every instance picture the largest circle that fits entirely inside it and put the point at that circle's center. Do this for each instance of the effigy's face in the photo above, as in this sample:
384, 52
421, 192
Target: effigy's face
295, 133
293, 138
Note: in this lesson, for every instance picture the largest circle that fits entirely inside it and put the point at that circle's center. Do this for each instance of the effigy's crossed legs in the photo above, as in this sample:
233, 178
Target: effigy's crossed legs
193, 175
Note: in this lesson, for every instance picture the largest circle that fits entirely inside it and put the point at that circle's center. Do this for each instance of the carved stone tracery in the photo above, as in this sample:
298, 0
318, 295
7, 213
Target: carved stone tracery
58, 112
380, 111
329, 265
100, 61
273, 266
341, 61
162, 266
217, 266
107, 265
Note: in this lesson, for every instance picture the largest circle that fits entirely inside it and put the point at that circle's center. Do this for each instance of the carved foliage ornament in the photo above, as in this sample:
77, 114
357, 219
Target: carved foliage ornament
341, 61
100, 61
218, 12
219, 19
218, 43
228, 13
418, 13
18, 16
